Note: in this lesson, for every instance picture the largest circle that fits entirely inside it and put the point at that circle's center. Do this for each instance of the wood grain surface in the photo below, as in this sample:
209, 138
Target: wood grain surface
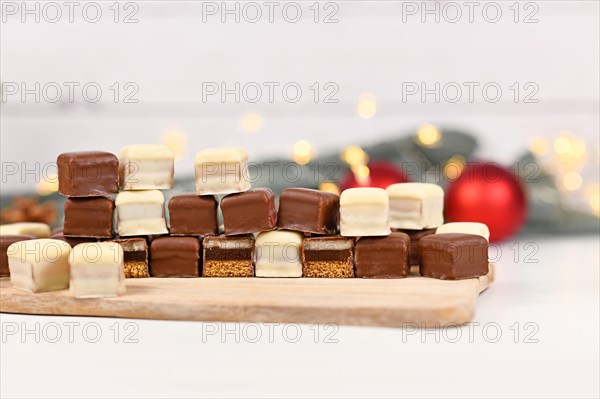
391, 303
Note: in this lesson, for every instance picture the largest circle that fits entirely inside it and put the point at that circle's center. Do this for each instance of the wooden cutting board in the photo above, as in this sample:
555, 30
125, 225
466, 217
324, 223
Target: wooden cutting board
391, 303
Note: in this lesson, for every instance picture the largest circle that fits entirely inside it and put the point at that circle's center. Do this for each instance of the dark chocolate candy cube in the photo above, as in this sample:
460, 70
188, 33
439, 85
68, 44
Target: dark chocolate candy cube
309, 211
5, 242
228, 256
252, 211
193, 215
453, 256
382, 257
175, 257
88, 174
89, 217
415, 236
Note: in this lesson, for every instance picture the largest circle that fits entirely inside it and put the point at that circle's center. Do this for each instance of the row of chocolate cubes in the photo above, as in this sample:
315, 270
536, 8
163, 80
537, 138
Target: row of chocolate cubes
89, 179
272, 254
97, 269
140, 170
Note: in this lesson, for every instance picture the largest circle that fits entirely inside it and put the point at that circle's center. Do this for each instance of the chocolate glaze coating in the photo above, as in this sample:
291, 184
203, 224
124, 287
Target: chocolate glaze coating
252, 211
329, 251
135, 249
87, 174
453, 256
89, 217
193, 215
308, 211
415, 236
228, 248
382, 257
175, 257
72, 241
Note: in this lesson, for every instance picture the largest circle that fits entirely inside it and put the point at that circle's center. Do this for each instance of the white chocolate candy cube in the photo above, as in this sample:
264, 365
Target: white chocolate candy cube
278, 254
97, 270
141, 213
364, 212
465, 227
222, 171
146, 167
416, 206
39, 265
39, 230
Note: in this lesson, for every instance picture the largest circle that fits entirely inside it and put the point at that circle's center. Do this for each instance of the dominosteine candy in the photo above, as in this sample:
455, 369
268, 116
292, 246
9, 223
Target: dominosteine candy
89, 217
231, 256
146, 167
453, 256
465, 227
193, 215
39, 230
39, 265
416, 206
175, 257
330, 256
222, 171
135, 257
252, 211
309, 211
415, 236
88, 174
97, 270
141, 213
382, 257
5, 242
278, 254
364, 212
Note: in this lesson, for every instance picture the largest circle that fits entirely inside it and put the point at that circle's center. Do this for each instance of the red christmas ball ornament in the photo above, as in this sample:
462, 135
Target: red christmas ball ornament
378, 174
487, 193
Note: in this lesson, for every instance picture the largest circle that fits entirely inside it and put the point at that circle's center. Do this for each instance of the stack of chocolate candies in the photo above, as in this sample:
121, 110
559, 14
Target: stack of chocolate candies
145, 170
301, 239
90, 180
402, 226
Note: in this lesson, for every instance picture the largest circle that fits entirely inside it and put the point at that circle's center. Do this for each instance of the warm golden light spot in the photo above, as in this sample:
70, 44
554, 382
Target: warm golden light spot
571, 152
538, 146
176, 141
578, 149
570, 181
303, 152
454, 167
367, 106
429, 136
595, 203
329, 187
251, 122
361, 174
47, 185
355, 156
562, 145
592, 193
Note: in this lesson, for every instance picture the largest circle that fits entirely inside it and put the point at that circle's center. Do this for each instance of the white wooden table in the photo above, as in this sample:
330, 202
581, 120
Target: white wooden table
555, 355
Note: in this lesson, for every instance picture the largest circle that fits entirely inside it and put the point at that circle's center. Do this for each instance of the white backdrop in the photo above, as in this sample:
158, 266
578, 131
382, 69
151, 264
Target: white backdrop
170, 52
375, 47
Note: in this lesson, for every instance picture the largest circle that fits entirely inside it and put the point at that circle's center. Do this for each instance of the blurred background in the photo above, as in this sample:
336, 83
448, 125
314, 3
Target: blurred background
353, 93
